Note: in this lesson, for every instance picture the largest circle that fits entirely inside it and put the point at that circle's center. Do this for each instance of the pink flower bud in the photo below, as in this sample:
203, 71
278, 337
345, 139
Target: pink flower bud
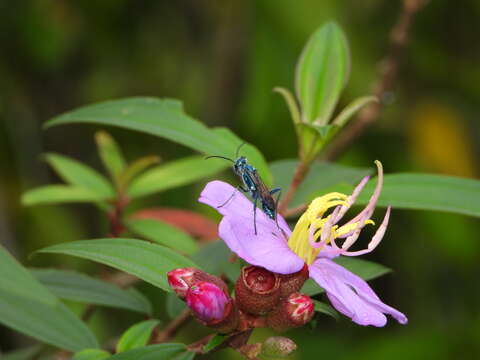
294, 311
180, 280
207, 301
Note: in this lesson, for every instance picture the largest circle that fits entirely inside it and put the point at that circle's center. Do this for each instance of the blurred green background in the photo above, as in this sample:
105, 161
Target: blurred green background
222, 58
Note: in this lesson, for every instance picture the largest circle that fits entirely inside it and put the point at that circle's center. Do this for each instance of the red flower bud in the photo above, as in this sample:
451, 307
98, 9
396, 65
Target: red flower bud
207, 301
294, 311
257, 290
180, 280
212, 306
291, 283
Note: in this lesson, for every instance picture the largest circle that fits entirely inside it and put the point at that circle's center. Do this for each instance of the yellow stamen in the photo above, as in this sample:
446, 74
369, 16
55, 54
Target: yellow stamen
311, 226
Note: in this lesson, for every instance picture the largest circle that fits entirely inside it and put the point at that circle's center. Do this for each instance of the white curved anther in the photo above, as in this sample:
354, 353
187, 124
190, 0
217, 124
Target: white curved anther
376, 239
327, 227
368, 210
351, 199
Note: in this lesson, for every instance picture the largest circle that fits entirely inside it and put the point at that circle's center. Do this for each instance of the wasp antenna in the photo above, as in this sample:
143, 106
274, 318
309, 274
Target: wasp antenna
220, 157
238, 149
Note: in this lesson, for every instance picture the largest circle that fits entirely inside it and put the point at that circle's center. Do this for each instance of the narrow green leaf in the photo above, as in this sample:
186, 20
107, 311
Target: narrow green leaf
151, 352
215, 341
428, 192
75, 173
187, 355
91, 354
254, 157
322, 73
75, 286
351, 109
58, 194
164, 118
110, 154
53, 324
136, 336
367, 270
22, 354
17, 280
213, 257
135, 169
326, 309
164, 234
291, 103
149, 262
321, 177
174, 174
174, 305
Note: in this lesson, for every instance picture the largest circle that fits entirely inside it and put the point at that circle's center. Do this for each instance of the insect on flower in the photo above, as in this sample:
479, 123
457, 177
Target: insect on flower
252, 184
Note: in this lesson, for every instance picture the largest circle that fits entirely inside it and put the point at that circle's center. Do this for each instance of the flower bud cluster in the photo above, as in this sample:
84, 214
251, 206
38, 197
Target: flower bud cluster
262, 298
207, 297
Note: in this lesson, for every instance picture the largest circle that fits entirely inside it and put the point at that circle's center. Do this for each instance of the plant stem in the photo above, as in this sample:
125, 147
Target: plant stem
387, 76
300, 172
171, 329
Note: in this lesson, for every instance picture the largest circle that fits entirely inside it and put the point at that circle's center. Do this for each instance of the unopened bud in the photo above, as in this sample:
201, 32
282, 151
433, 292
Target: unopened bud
212, 306
278, 347
207, 301
257, 290
294, 311
291, 283
180, 280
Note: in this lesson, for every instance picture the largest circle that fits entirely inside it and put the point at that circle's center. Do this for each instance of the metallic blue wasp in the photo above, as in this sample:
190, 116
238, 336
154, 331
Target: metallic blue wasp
253, 184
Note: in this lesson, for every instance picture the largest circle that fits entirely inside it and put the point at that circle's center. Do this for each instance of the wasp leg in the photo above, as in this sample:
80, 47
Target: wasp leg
255, 214
277, 200
239, 187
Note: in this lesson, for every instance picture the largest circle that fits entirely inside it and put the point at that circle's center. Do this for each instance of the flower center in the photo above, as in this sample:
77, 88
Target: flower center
312, 224
315, 229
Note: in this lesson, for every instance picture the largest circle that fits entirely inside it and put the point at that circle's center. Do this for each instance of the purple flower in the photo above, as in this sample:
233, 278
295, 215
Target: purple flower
312, 242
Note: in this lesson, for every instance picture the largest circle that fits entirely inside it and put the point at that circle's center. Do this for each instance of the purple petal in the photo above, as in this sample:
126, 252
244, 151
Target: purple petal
268, 248
216, 193
351, 295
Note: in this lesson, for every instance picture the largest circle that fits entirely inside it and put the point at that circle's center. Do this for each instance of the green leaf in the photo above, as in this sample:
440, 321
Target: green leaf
18, 281
149, 262
75, 173
22, 354
322, 73
135, 169
215, 341
174, 305
351, 109
174, 174
110, 154
57, 194
164, 118
326, 309
291, 103
136, 336
213, 257
164, 234
367, 270
427, 192
187, 355
26, 306
75, 286
322, 176
151, 352
91, 354
313, 138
